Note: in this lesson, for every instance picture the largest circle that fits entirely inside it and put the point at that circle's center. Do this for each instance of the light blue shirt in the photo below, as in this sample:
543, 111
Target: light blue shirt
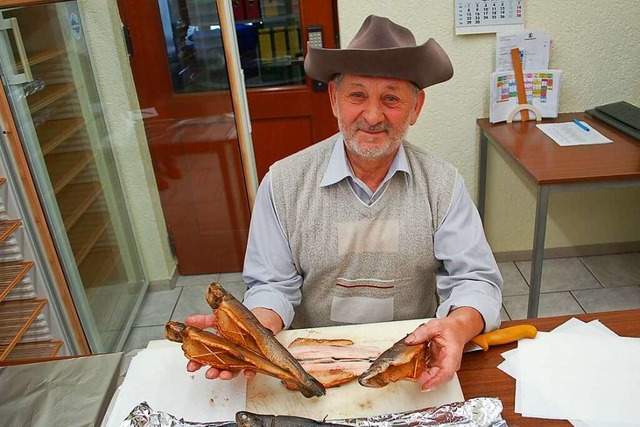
469, 276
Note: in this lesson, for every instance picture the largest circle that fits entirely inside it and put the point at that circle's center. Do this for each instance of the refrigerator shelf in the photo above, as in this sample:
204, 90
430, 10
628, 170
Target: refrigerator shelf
11, 274
45, 55
48, 95
15, 319
7, 228
64, 167
31, 352
75, 199
97, 266
54, 132
87, 231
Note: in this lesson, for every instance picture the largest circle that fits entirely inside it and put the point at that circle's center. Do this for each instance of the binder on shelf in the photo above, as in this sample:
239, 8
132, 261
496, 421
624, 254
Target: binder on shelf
252, 9
238, 10
621, 115
264, 40
270, 8
294, 42
280, 42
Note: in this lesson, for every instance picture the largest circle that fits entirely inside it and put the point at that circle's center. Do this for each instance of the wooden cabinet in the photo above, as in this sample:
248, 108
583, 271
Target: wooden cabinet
62, 143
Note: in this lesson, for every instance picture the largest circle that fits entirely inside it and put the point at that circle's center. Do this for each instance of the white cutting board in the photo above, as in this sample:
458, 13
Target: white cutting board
158, 375
268, 395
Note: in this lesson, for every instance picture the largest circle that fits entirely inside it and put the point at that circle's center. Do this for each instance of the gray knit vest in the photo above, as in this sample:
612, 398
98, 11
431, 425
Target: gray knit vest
362, 263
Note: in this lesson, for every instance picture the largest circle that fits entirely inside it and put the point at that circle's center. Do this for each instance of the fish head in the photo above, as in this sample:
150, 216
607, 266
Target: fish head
174, 331
216, 295
248, 419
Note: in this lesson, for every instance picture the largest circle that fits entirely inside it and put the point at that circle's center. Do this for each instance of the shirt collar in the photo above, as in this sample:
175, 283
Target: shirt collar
339, 168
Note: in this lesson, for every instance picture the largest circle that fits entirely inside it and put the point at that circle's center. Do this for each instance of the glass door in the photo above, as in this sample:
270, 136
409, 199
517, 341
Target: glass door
180, 70
49, 80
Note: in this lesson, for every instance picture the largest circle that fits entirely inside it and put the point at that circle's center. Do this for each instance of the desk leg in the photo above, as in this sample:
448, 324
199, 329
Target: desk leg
540, 230
482, 174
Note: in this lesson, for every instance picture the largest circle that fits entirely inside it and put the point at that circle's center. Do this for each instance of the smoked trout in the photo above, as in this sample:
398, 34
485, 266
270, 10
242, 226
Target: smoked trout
400, 362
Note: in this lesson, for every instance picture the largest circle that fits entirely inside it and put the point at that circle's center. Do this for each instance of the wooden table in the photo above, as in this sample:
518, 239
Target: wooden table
480, 377
554, 168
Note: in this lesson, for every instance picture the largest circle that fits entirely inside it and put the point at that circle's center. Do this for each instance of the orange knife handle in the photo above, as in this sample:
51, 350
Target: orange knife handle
505, 336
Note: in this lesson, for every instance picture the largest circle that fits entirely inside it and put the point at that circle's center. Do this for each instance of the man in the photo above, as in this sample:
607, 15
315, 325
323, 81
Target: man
364, 227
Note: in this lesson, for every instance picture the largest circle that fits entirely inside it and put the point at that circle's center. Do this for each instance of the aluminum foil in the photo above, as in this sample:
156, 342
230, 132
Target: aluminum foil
479, 412
143, 416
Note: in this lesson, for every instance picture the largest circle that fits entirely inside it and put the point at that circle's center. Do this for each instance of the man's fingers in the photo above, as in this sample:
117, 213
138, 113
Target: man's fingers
202, 321
434, 377
419, 335
193, 366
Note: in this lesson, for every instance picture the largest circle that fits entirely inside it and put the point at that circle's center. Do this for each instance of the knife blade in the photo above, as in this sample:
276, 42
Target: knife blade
501, 336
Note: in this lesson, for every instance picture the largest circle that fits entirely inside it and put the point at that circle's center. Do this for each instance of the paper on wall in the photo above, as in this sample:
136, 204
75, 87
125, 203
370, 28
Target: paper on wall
534, 45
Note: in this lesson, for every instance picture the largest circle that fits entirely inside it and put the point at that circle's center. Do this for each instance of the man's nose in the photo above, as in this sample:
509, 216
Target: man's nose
373, 113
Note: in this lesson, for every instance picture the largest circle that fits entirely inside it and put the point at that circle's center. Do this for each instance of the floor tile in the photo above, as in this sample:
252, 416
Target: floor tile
192, 301
514, 283
230, 278
140, 337
615, 270
504, 315
157, 307
562, 274
608, 299
551, 304
200, 279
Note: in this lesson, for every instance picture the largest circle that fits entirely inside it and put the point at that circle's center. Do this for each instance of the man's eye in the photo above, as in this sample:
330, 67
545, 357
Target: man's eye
391, 100
356, 95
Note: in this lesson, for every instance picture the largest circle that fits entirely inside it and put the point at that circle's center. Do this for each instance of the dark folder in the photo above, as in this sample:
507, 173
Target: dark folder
621, 115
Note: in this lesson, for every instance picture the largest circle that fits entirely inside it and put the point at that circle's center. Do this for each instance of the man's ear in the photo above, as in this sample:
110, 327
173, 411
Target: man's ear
333, 97
420, 97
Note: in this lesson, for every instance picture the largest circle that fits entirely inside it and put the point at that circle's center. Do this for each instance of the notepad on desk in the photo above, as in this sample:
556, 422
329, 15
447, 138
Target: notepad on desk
570, 133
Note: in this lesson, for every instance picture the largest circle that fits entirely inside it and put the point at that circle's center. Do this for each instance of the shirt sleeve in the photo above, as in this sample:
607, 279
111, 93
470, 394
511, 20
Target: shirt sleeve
469, 276
269, 271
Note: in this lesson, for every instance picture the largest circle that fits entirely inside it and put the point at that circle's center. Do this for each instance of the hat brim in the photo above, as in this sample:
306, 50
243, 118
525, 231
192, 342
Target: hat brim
424, 65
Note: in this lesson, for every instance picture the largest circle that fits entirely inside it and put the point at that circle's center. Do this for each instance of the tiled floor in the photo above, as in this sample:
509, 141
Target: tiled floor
569, 286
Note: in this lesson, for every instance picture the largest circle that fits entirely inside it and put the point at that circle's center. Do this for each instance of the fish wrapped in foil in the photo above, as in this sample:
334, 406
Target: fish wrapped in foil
478, 412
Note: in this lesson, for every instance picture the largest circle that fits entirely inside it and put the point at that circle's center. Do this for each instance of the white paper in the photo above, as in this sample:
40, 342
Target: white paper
159, 377
534, 47
542, 90
570, 134
574, 326
576, 376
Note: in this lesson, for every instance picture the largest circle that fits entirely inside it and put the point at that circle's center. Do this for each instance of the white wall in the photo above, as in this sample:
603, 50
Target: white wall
103, 30
595, 43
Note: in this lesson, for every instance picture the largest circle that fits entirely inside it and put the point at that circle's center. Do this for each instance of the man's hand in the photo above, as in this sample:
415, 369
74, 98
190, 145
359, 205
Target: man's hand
446, 337
268, 318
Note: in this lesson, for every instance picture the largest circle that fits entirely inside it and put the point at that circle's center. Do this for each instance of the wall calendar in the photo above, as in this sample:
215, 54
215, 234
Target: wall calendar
488, 16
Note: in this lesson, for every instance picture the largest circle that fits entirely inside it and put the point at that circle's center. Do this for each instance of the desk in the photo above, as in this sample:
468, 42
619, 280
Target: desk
480, 377
554, 169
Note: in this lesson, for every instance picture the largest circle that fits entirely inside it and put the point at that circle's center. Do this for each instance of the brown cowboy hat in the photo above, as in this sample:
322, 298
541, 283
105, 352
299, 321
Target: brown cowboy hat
386, 49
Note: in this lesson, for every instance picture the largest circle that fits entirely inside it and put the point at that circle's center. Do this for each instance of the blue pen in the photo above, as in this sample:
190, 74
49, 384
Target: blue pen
576, 121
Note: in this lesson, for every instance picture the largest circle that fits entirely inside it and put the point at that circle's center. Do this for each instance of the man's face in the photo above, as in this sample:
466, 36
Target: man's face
374, 113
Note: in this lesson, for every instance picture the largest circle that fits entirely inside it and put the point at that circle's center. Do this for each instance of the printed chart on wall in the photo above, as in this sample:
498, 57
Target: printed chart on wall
541, 87
488, 16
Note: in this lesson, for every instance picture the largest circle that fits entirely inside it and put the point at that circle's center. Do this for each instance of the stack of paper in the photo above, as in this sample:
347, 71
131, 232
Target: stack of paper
541, 85
534, 46
581, 372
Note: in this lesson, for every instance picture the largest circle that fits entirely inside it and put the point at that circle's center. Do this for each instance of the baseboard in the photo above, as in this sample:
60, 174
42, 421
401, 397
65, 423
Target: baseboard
164, 284
573, 251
